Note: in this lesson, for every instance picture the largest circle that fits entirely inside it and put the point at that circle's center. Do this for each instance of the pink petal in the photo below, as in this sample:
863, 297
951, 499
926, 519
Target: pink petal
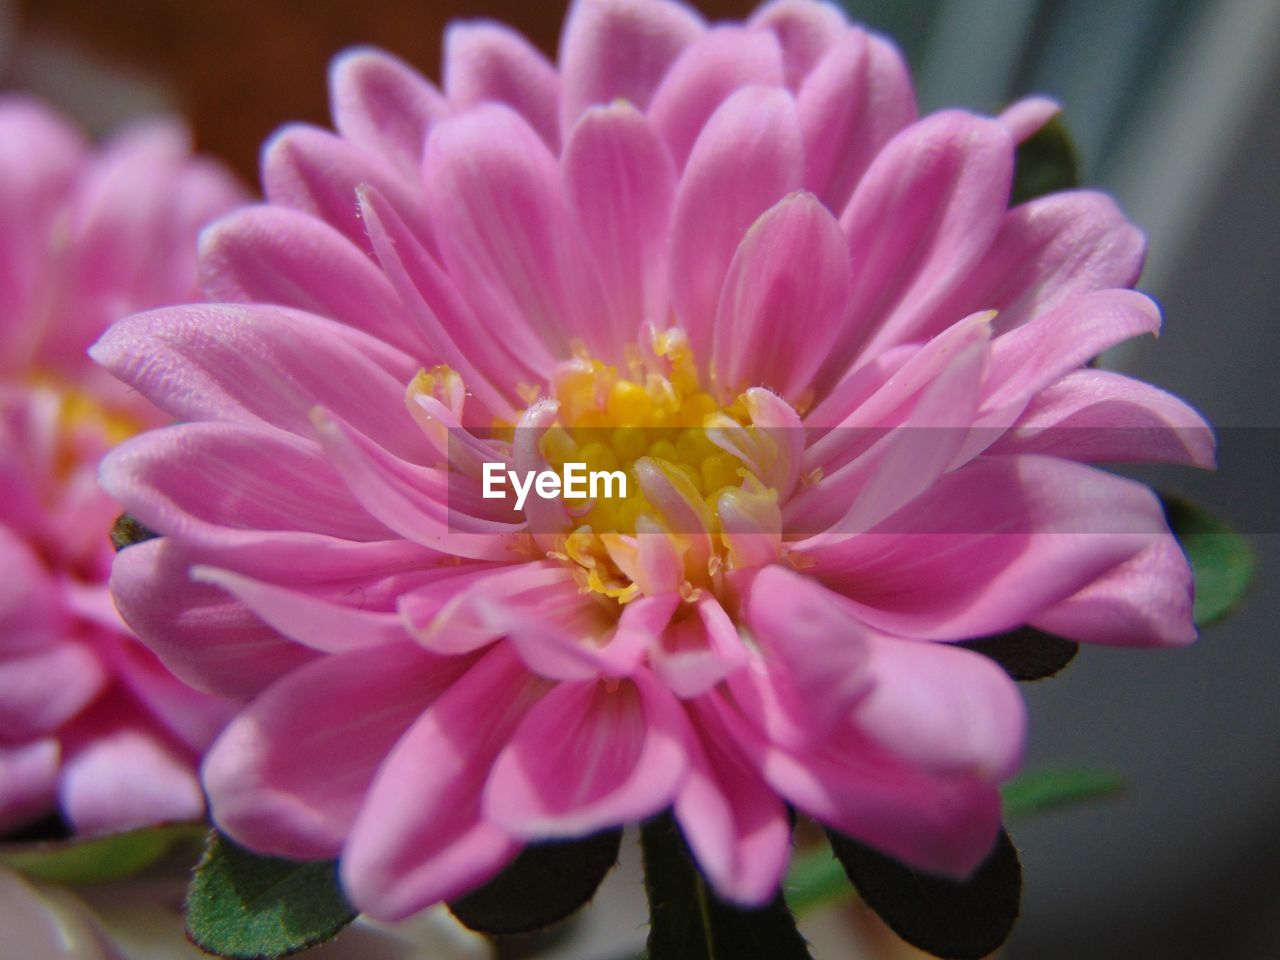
260, 365
42, 690
620, 50
216, 483
507, 237
720, 62
1049, 251
31, 616
441, 317
323, 623
314, 171
784, 299
28, 781
1096, 416
590, 754
1145, 602
194, 718
122, 773
420, 836
805, 30
748, 157
270, 254
621, 185
942, 709
489, 63
1026, 116
282, 784
382, 104
427, 505
1030, 358
733, 821
697, 649
922, 216
857, 97
206, 638
1029, 532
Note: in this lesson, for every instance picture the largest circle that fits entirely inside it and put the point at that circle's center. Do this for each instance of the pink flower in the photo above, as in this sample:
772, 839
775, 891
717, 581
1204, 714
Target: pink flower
830, 360
90, 722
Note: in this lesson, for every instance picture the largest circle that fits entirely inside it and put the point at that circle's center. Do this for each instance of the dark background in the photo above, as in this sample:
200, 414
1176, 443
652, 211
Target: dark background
1175, 108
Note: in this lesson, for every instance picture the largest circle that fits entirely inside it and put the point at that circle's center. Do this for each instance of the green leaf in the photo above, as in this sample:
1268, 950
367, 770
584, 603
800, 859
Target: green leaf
958, 920
1046, 162
1221, 560
545, 884
687, 921
249, 907
126, 531
1052, 789
815, 879
98, 859
1026, 653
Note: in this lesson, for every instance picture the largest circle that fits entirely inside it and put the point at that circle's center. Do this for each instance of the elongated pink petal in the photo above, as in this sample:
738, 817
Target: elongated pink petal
321, 623
1026, 116
31, 617
260, 365
121, 773
205, 637
697, 649
857, 97
1034, 531
1145, 602
725, 59
748, 157
1030, 358
507, 236
619, 50
734, 823
28, 781
42, 690
384, 105
487, 62
282, 784
590, 755
921, 217
1049, 251
268, 254
805, 31
420, 836
424, 504
316, 172
784, 300
193, 718
215, 482
621, 185
1097, 416
942, 709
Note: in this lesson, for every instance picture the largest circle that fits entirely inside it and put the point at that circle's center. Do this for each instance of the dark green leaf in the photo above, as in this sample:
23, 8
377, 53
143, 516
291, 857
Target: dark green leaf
545, 884
126, 531
958, 920
1026, 653
1220, 559
1052, 789
687, 921
97, 859
1046, 162
248, 907
815, 879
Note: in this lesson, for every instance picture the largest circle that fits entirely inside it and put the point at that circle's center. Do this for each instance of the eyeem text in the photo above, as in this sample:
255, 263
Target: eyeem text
577, 481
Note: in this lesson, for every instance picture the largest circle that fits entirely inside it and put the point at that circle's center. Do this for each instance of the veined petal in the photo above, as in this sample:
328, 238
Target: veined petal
489, 63
708, 72
620, 50
589, 755
285, 785
747, 158
804, 30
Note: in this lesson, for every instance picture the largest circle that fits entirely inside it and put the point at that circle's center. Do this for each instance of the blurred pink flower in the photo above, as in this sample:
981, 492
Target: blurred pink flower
90, 722
731, 262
